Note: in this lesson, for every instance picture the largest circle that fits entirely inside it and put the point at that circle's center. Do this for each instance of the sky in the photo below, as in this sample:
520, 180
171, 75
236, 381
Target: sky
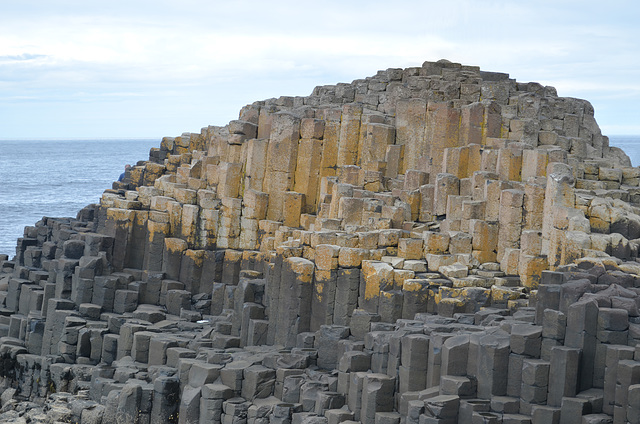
145, 69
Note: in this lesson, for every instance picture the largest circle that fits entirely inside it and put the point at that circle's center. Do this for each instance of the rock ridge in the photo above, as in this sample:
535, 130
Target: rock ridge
435, 244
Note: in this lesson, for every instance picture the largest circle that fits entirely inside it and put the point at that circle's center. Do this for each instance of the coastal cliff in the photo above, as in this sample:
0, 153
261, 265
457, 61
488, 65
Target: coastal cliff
435, 244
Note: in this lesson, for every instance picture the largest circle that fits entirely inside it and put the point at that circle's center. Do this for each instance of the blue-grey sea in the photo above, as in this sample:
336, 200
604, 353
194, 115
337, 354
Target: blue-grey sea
57, 178
630, 144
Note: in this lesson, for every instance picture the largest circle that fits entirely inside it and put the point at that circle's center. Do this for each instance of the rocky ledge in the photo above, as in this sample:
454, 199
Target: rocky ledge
435, 244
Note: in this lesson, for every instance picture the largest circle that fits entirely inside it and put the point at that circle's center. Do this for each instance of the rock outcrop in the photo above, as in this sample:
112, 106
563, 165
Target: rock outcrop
436, 244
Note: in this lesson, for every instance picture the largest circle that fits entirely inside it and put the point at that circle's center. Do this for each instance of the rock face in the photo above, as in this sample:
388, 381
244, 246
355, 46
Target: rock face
434, 244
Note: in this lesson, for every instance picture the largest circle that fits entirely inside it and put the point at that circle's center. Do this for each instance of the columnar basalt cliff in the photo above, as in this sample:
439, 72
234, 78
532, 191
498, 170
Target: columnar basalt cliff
436, 244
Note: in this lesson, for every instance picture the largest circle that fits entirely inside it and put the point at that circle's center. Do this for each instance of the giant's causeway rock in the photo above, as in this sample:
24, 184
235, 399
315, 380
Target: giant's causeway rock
435, 244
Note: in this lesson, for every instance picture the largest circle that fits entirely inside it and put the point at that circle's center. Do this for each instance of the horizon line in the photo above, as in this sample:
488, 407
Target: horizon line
80, 138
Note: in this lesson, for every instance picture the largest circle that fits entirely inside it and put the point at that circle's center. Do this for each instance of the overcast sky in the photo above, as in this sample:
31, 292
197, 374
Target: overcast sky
153, 68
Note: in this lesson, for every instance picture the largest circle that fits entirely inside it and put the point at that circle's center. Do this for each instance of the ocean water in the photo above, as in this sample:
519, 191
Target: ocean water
630, 144
57, 178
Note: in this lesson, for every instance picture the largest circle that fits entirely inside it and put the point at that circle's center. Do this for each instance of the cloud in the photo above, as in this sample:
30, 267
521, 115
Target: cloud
22, 57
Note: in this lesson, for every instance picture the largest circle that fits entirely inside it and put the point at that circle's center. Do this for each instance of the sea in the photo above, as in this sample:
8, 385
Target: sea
57, 178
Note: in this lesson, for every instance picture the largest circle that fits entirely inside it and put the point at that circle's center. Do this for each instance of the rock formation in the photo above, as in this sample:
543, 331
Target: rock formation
428, 245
